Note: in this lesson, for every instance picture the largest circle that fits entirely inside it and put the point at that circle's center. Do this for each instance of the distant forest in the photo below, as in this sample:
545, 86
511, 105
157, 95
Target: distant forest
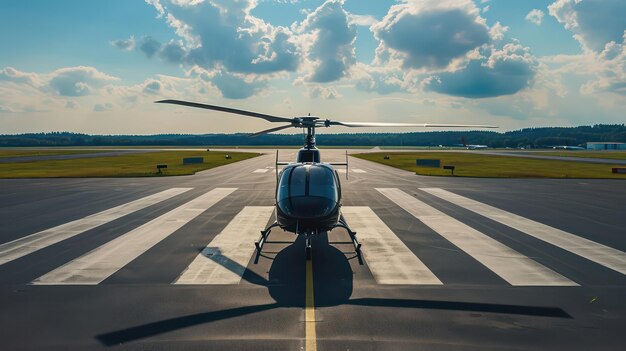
528, 137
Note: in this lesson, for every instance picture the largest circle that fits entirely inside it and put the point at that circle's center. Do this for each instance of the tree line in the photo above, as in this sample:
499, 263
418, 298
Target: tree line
527, 137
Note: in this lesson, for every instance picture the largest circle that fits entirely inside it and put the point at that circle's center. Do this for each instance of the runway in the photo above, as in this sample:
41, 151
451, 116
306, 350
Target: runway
448, 264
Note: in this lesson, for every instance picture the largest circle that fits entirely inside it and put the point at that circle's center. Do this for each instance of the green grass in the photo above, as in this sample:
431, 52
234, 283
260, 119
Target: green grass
39, 152
615, 155
491, 166
133, 165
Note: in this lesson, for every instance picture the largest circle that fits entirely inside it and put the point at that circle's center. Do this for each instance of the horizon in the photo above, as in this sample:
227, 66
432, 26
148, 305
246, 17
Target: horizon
101, 64
362, 131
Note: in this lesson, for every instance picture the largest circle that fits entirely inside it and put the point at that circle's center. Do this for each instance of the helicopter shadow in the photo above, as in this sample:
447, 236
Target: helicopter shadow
286, 284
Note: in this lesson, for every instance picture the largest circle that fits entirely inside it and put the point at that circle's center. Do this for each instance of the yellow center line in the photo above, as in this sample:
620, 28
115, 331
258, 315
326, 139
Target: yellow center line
311, 339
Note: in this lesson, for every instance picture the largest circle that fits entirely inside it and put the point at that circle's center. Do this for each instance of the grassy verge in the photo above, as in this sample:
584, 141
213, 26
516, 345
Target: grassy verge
615, 155
22, 153
490, 166
133, 165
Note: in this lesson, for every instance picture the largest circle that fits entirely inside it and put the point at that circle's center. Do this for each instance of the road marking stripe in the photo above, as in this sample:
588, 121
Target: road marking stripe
37, 241
309, 319
261, 170
389, 260
591, 250
509, 264
100, 263
224, 260
353, 170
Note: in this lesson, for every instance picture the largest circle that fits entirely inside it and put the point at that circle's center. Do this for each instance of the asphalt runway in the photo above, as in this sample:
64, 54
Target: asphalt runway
449, 264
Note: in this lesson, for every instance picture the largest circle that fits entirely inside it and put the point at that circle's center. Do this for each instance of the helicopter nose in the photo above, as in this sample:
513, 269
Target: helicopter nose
307, 207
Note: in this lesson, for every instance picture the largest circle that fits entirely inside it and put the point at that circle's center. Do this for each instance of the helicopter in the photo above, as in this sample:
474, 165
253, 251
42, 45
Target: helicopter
308, 191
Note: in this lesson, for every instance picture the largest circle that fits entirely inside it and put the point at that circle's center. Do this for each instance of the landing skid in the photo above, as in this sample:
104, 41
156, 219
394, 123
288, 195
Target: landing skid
357, 246
308, 236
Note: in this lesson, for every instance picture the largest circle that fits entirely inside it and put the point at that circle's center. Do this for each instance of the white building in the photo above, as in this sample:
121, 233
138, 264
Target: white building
605, 145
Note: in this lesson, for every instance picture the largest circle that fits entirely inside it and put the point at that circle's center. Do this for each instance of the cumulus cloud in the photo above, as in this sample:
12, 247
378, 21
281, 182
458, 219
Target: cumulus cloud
327, 93
149, 46
506, 72
535, 16
599, 26
430, 34
77, 81
594, 23
379, 79
236, 86
225, 34
333, 41
152, 86
125, 44
498, 31
10, 74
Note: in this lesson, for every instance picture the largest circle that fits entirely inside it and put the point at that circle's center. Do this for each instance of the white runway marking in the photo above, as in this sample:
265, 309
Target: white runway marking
224, 260
37, 241
353, 170
601, 254
97, 265
509, 264
261, 170
389, 260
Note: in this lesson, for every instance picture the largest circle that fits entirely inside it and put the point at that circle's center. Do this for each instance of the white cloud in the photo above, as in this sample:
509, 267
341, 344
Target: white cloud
362, 20
600, 28
125, 44
505, 72
225, 34
77, 81
10, 74
498, 31
327, 93
594, 23
333, 36
430, 34
535, 16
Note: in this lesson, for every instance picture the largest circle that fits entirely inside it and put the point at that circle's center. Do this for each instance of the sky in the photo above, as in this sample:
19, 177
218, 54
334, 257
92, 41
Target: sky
97, 66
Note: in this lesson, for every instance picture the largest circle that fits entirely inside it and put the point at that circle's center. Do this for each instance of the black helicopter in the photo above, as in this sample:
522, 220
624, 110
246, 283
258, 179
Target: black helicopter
308, 191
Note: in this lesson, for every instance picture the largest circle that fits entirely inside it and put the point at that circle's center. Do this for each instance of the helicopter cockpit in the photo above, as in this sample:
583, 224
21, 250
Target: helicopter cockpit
307, 195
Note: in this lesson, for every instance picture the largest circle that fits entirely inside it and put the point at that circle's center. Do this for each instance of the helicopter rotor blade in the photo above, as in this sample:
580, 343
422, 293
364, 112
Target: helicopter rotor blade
424, 125
270, 130
269, 118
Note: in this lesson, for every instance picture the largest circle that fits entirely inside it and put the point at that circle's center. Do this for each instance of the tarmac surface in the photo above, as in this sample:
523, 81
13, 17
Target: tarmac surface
448, 264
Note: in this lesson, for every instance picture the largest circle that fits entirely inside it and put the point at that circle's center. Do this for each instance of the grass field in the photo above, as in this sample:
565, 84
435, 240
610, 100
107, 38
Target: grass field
133, 165
489, 166
39, 152
615, 155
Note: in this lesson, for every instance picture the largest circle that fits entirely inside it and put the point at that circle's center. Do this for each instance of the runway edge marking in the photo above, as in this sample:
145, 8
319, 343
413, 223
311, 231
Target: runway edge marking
100, 263
26, 245
225, 258
510, 265
387, 257
604, 255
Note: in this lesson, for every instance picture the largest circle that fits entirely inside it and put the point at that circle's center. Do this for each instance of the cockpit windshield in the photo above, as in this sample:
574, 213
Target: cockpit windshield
308, 180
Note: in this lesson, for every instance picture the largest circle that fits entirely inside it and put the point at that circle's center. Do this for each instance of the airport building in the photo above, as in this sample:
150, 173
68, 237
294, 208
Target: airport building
604, 145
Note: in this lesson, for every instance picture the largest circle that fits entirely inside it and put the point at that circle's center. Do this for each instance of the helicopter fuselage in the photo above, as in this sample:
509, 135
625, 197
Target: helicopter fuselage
308, 198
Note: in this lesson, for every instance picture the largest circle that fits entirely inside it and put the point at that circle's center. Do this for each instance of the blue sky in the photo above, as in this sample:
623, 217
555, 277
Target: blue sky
96, 66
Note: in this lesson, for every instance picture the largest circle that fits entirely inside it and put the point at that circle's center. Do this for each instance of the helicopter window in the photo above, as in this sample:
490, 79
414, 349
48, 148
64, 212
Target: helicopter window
283, 186
322, 183
297, 181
